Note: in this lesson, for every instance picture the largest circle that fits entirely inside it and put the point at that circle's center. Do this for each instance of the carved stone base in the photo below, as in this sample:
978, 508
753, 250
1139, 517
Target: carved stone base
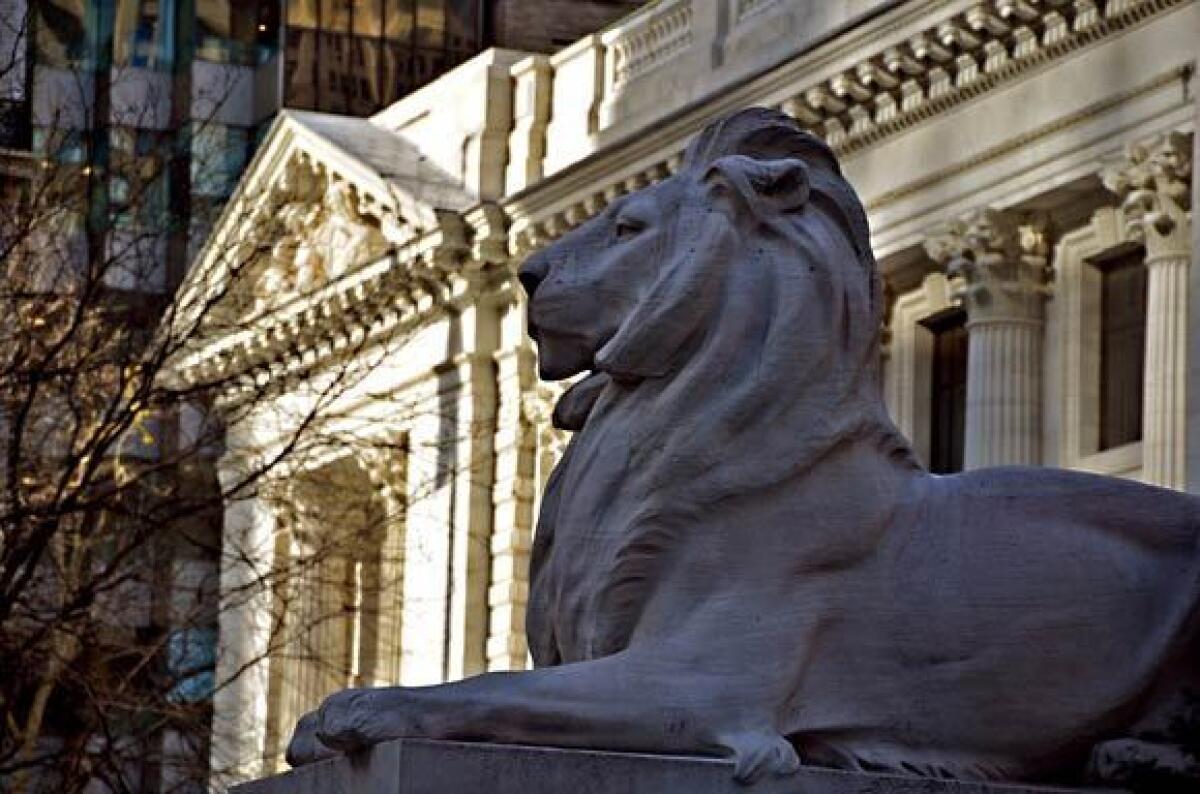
425, 767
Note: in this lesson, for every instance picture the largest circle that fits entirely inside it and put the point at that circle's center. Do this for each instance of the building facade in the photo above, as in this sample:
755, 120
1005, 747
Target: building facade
150, 111
198, 83
1027, 169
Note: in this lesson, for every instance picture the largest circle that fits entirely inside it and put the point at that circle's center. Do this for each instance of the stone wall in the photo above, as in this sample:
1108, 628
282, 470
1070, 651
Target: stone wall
1001, 149
549, 25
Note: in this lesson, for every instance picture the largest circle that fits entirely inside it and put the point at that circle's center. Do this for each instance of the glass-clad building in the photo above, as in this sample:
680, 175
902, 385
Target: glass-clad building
358, 56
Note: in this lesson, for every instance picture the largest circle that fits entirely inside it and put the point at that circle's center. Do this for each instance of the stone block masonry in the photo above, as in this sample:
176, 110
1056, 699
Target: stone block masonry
549, 25
426, 767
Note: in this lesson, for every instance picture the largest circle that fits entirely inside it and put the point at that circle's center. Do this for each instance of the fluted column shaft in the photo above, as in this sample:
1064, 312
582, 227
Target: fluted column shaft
1004, 393
1164, 405
1153, 182
998, 268
246, 610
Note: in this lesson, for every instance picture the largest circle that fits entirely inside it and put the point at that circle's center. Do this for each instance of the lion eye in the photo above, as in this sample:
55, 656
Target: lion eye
627, 228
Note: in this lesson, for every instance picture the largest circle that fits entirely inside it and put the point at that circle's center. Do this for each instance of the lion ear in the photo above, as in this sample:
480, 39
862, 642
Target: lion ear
765, 187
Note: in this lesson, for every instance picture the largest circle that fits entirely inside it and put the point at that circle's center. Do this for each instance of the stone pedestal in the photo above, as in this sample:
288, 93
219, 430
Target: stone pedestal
426, 767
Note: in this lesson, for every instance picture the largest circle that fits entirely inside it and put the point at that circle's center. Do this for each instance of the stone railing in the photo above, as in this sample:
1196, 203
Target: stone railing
748, 8
899, 65
649, 41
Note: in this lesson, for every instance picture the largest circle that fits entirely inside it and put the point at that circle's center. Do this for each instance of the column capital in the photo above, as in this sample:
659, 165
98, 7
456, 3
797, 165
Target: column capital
998, 263
1153, 181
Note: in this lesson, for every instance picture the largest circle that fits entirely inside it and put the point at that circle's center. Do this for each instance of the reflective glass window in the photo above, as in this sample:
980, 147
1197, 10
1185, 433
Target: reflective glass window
141, 33
61, 32
462, 24
398, 20
302, 14
367, 17
236, 31
368, 53
335, 15
431, 23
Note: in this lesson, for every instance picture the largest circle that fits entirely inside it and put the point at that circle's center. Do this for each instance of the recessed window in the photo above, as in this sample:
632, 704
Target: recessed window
1122, 346
948, 393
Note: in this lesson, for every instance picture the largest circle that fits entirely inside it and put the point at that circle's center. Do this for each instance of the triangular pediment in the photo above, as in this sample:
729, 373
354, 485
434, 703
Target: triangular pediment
325, 195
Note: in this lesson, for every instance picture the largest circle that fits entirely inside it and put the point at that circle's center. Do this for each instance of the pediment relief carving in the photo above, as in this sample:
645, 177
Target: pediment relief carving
323, 227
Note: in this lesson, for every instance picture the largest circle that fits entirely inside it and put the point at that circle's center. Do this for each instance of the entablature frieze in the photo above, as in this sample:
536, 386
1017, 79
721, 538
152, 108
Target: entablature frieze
400, 290
883, 90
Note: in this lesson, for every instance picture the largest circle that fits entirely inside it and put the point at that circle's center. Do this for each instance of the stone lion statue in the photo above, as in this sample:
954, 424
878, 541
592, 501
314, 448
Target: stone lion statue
740, 555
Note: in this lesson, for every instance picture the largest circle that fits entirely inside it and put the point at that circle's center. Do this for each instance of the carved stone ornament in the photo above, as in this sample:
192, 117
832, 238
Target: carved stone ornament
324, 233
1154, 184
740, 554
999, 266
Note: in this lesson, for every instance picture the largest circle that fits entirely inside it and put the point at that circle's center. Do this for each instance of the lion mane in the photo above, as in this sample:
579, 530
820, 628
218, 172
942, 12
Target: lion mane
757, 340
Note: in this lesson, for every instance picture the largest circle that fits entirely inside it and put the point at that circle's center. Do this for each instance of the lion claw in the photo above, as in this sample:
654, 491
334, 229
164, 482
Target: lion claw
758, 753
342, 721
305, 747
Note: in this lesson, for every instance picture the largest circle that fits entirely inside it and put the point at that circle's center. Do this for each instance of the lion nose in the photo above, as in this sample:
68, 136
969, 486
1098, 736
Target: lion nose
532, 273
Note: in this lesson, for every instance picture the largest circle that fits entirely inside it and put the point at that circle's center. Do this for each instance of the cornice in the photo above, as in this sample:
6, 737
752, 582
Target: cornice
1026, 139
368, 305
916, 62
959, 52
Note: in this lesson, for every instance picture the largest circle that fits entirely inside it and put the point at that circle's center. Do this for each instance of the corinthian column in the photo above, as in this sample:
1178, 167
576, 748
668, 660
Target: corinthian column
1153, 183
1000, 274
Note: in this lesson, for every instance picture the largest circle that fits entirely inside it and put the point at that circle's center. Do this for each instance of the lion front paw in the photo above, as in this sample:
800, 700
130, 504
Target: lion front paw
759, 753
305, 747
353, 720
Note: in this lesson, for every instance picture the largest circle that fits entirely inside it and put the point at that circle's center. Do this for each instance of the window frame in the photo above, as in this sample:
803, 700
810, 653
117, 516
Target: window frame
908, 366
1072, 364
948, 320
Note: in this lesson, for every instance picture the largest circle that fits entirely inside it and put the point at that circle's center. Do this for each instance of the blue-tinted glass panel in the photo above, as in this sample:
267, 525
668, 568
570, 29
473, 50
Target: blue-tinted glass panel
144, 33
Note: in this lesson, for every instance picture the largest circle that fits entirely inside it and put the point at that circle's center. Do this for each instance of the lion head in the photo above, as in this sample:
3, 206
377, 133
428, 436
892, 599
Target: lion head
752, 262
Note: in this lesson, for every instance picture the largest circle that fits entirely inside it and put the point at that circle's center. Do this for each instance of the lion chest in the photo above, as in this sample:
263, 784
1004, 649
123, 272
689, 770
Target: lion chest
591, 609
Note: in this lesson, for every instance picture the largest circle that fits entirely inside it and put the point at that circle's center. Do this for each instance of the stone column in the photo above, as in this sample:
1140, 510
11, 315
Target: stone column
450, 508
1000, 274
425, 583
386, 469
1193, 389
242, 668
512, 521
1153, 182
473, 509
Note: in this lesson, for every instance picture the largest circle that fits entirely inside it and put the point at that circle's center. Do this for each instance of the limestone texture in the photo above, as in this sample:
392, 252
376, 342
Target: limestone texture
740, 555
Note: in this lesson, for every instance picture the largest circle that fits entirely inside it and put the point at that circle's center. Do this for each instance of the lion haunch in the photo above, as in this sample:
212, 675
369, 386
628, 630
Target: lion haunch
740, 555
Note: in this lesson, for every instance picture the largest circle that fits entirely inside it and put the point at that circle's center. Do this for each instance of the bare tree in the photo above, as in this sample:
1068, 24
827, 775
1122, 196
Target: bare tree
110, 508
